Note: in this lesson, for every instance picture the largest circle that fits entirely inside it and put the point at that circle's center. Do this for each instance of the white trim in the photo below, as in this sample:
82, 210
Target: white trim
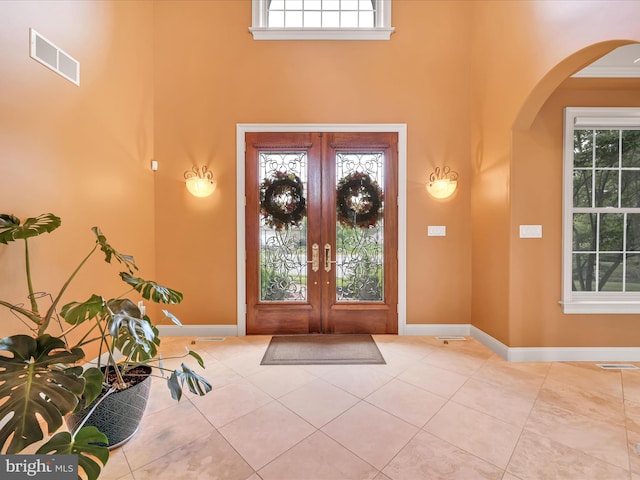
261, 33
599, 71
491, 343
436, 329
243, 129
198, 330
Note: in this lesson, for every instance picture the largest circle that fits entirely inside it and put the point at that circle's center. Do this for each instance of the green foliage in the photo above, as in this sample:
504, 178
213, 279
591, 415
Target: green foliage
85, 444
40, 376
35, 380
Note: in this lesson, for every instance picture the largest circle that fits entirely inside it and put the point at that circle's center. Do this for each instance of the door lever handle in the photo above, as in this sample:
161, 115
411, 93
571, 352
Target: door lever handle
315, 257
327, 258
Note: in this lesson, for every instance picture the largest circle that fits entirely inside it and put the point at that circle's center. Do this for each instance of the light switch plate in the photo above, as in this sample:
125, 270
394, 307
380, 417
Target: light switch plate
437, 231
530, 231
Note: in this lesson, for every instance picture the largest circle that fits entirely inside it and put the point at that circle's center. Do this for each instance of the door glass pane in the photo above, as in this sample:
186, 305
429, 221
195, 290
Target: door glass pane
283, 227
359, 227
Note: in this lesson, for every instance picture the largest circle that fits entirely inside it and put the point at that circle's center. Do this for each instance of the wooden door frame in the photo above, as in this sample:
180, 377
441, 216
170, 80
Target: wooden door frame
243, 128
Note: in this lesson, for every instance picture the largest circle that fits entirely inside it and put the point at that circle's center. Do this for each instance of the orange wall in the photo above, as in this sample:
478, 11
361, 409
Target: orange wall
521, 51
536, 317
211, 75
170, 80
80, 152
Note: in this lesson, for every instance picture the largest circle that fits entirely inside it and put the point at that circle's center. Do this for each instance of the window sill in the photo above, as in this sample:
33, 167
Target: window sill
261, 33
600, 307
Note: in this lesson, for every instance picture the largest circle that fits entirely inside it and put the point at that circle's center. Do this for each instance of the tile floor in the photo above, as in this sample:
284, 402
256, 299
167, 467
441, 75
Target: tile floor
435, 411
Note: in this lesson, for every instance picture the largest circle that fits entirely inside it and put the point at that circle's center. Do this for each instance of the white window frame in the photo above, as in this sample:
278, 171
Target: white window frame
261, 31
603, 118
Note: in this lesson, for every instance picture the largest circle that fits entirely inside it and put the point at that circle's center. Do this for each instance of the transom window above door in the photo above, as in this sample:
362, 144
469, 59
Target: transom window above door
321, 20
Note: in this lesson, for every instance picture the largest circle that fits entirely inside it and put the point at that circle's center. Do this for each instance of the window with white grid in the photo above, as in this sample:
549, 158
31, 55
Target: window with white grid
321, 20
601, 210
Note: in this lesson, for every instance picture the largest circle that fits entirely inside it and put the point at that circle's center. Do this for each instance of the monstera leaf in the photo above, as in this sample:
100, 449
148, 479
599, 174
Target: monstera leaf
134, 336
11, 229
151, 290
109, 251
75, 313
36, 380
196, 383
86, 444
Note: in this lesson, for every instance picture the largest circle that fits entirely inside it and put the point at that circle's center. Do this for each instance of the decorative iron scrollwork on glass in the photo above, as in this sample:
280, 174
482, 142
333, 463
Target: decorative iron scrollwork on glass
360, 227
283, 227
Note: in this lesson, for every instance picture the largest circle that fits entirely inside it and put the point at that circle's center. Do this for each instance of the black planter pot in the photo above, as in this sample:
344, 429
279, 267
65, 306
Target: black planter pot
118, 415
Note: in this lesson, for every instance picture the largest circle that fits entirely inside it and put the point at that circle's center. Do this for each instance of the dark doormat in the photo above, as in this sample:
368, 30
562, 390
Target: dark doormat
328, 349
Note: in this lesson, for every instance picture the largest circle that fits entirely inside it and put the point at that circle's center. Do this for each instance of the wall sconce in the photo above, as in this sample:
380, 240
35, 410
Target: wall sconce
200, 182
442, 183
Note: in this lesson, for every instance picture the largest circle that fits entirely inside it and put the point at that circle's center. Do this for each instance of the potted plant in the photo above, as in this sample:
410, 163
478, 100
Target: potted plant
41, 374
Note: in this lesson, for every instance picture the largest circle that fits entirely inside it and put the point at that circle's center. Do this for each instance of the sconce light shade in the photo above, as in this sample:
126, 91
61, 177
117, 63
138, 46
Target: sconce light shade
200, 182
442, 183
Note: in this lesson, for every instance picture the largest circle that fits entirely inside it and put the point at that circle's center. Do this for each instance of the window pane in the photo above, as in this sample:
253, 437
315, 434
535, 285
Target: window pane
607, 148
611, 232
331, 5
584, 232
293, 19
349, 19
276, 19
276, 5
582, 188
630, 196
330, 19
584, 272
583, 148
349, 5
293, 4
366, 20
312, 5
633, 232
610, 270
633, 273
606, 188
631, 148
313, 19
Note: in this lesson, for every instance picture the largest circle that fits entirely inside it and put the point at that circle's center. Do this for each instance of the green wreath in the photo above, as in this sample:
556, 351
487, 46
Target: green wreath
359, 201
282, 202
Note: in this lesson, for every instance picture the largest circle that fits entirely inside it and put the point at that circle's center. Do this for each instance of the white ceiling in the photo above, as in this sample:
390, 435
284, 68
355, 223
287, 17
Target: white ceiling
621, 62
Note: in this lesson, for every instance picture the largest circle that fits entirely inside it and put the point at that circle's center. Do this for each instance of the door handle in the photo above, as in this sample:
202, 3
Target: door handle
315, 257
327, 258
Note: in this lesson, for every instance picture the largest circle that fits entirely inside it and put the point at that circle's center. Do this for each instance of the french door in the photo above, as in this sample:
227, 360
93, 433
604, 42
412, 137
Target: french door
321, 232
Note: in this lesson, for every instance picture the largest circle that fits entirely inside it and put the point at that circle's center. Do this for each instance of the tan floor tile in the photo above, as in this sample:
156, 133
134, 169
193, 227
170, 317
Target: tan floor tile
414, 347
278, 380
117, 466
359, 380
231, 402
266, 433
631, 385
526, 377
372, 434
602, 440
406, 401
207, 458
505, 403
478, 433
246, 363
428, 457
509, 476
318, 402
632, 415
633, 448
588, 376
433, 379
164, 431
318, 457
587, 402
537, 457
381, 476
457, 359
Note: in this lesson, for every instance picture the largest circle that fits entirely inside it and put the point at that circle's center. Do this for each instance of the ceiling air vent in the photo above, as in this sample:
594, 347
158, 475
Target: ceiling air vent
45, 52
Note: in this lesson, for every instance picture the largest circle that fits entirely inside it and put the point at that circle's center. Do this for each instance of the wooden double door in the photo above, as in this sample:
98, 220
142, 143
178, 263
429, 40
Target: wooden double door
321, 232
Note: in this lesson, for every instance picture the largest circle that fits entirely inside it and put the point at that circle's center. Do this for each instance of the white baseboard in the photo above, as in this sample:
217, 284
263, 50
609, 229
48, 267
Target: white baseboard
198, 330
511, 354
428, 329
